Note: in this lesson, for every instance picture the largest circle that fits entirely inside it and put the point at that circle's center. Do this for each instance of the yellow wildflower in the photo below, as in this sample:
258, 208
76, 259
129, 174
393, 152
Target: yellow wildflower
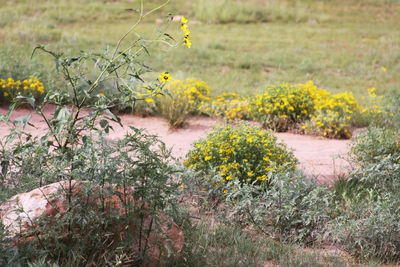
165, 77
183, 20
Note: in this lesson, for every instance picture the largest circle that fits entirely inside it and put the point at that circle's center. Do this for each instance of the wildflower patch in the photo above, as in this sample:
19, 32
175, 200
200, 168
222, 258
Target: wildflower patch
244, 153
10, 88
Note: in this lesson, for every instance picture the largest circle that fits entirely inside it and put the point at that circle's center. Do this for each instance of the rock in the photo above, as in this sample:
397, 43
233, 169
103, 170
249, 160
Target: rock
177, 18
21, 213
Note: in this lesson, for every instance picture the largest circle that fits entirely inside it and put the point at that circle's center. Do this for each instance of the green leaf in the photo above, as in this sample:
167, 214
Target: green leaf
105, 125
145, 49
30, 100
4, 167
23, 120
169, 36
113, 117
62, 114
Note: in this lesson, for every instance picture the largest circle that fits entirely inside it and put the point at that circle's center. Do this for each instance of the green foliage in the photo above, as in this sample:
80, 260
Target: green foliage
293, 209
135, 171
389, 116
239, 11
376, 144
240, 153
222, 11
370, 229
222, 245
376, 153
368, 218
130, 163
392, 100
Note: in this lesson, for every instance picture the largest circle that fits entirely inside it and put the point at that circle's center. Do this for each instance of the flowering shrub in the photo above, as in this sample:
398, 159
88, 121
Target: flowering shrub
281, 107
384, 110
333, 115
181, 99
318, 111
228, 105
244, 153
10, 88
175, 100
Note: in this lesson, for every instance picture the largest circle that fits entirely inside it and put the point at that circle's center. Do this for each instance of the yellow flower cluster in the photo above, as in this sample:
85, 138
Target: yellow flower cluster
185, 29
287, 106
190, 91
11, 87
333, 115
228, 105
318, 111
376, 109
245, 153
281, 107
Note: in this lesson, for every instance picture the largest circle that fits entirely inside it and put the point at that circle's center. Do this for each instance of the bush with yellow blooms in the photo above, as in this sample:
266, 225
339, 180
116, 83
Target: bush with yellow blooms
282, 107
229, 105
10, 88
243, 152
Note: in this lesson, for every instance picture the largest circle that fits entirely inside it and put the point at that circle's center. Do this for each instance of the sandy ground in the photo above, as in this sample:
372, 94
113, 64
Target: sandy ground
319, 157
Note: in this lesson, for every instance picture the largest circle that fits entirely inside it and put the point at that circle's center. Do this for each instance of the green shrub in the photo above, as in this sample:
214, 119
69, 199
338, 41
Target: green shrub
375, 144
99, 164
370, 229
367, 201
293, 209
244, 153
375, 155
74, 146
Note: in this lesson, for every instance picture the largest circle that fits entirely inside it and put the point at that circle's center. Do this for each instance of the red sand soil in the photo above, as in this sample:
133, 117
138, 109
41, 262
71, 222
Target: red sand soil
318, 156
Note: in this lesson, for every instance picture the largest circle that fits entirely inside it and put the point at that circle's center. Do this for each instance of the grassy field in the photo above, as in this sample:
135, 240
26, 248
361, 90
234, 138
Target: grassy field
239, 46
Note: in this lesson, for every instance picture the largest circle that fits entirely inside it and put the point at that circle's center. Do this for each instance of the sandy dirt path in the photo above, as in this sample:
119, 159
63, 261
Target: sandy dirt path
319, 157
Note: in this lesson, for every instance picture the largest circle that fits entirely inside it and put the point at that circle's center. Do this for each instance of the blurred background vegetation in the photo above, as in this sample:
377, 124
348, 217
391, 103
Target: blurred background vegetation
238, 46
